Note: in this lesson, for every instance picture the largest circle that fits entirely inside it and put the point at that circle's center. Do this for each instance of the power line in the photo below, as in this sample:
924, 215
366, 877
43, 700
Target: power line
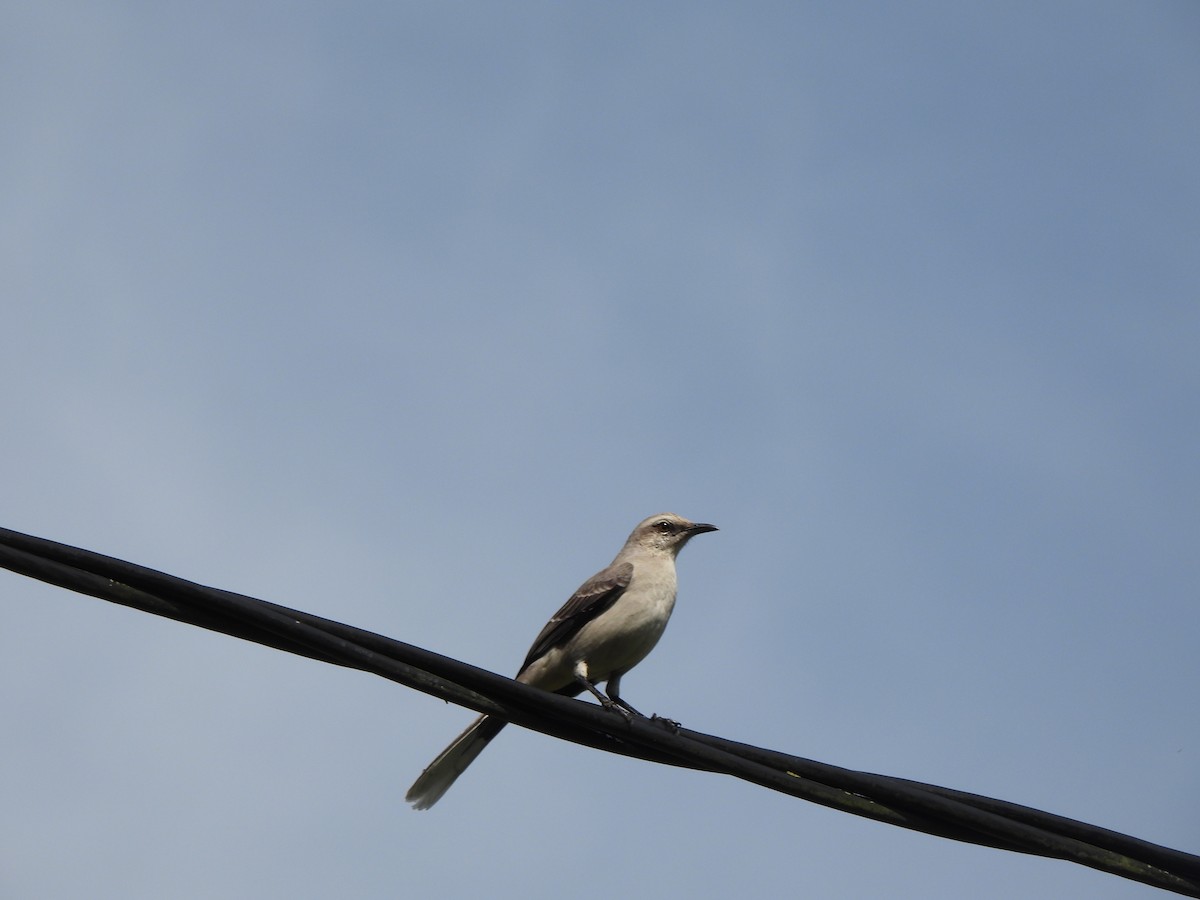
935, 810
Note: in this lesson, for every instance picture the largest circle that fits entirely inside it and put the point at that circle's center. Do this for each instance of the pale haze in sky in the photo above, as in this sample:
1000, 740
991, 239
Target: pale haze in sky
405, 314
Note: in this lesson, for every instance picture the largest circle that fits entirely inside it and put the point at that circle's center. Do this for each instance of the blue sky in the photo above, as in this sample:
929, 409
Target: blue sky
406, 314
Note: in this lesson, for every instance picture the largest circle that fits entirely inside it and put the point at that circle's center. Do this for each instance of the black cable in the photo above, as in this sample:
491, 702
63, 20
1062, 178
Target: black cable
928, 808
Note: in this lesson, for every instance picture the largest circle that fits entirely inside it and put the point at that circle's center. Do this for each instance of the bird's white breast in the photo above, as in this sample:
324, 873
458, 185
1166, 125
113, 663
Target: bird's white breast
620, 638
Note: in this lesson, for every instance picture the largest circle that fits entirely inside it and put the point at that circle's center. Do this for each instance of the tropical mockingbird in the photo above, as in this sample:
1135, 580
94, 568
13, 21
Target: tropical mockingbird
605, 629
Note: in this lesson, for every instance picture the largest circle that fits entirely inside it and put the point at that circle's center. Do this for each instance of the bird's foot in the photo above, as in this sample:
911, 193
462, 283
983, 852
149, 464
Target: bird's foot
625, 706
670, 724
614, 706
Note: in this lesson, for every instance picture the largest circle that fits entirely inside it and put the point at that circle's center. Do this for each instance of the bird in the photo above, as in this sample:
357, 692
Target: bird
605, 629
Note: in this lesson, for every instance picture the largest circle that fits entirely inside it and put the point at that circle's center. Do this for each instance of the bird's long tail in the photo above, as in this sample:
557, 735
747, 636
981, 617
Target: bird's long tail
451, 762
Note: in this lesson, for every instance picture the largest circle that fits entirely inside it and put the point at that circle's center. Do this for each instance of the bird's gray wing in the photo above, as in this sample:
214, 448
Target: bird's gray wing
594, 596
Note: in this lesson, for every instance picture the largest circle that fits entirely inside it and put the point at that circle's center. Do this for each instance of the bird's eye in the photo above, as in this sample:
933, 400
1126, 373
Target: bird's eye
664, 526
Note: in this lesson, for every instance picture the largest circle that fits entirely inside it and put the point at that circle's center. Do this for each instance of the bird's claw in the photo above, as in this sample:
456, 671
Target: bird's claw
617, 708
670, 724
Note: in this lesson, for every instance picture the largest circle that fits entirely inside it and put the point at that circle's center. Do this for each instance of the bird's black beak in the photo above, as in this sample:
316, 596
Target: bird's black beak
700, 528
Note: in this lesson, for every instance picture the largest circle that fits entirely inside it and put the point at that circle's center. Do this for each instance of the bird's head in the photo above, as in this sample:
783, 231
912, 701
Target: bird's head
667, 531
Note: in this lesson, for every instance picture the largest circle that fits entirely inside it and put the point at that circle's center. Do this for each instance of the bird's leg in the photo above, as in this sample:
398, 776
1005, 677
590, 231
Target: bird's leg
581, 675
613, 689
